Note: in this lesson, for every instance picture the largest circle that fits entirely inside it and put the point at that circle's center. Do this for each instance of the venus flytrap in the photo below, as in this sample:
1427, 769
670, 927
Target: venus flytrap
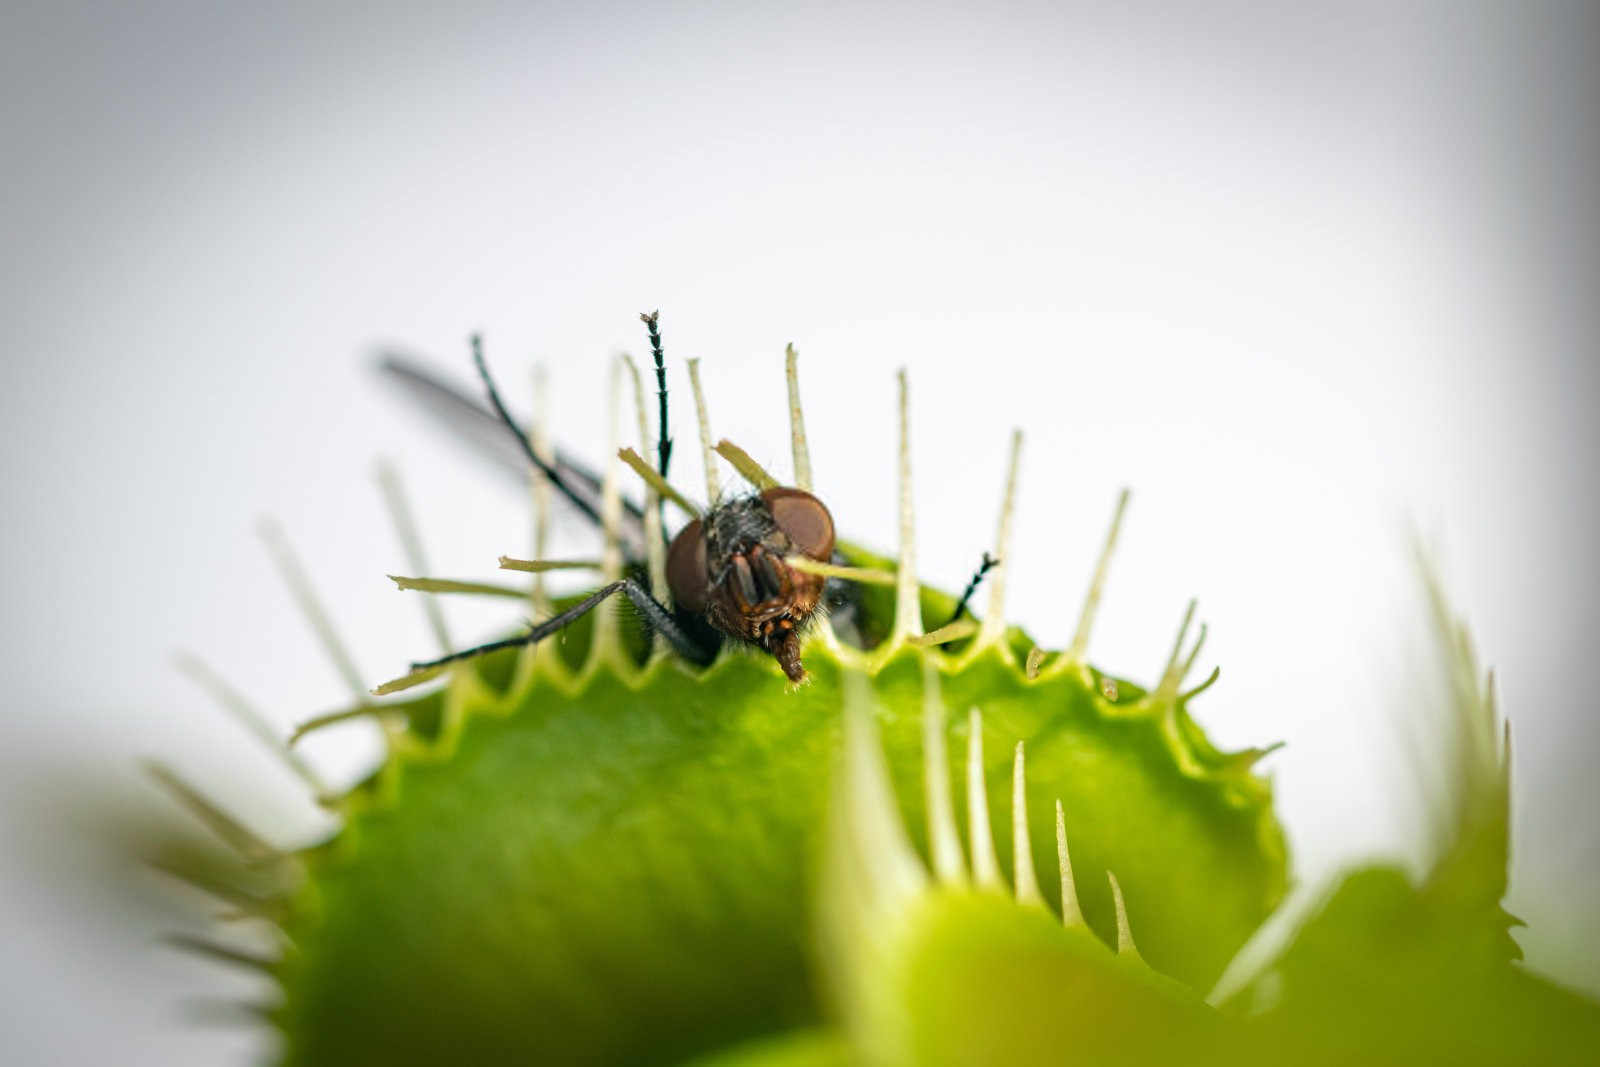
588, 850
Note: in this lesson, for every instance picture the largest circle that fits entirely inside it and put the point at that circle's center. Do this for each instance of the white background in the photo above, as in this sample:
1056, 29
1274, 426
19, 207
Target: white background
1301, 280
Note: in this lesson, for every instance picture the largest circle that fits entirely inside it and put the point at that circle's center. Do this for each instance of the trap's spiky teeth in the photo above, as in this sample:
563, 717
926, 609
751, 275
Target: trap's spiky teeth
708, 454
539, 566
241, 903
944, 838
232, 701
213, 950
891, 869
881, 874
1177, 643
1023, 877
865, 575
1194, 653
450, 585
311, 609
1211, 679
1178, 665
1097, 584
992, 632
409, 680
1125, 945
1071, 912
907, 601
952, 631
980, 838
748, 469
223, 1012
611, 506
229, 830
540, 490
606, 646
797, 420
1474, 795
1247, 758
406, 532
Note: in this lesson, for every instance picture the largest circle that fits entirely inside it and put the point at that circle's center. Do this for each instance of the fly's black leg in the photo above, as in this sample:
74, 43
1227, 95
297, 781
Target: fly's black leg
472, 421
989, 563
664, 439
655, 614
666, 624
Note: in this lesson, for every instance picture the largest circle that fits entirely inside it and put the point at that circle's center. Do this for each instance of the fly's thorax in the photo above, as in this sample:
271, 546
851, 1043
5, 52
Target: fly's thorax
732, 528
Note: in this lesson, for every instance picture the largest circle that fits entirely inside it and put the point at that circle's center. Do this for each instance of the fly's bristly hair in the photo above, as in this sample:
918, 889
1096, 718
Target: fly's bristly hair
733, 521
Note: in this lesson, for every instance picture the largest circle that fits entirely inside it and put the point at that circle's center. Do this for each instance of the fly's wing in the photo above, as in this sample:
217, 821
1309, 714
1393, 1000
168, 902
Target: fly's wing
488, 436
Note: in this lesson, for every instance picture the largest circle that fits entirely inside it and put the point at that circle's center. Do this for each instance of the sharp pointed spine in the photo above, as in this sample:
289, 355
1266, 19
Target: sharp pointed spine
540, 490
235, 834
1247, 759
884, 852
1023, 876
605, 625
707, 454
1505, 759
980, 838
1125, 945
944, 838
797, 421
908, 603
1194, 654
994, 621
748, 468
540, 566
405, 529
200, 946
240, 901
248, 716
1211, 680
449, 585
233, 1014
1091, 601
1071, 912
1172, 673
657, 487
864, 575
954, 631
294, 576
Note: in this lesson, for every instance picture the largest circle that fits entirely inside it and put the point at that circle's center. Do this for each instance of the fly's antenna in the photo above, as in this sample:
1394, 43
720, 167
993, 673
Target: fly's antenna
548, 470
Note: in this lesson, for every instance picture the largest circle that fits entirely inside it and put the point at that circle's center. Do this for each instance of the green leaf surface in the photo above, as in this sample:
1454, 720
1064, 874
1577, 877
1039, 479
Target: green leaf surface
1385, 974
617, 868
984, 980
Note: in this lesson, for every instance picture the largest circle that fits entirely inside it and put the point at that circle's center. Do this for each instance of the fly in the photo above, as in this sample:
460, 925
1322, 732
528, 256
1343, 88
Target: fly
727, 571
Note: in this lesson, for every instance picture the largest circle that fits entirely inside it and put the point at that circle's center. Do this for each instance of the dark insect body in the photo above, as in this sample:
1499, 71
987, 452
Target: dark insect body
727, 571
729, 567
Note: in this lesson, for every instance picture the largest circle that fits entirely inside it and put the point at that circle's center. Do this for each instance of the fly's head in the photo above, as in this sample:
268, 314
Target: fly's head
730, 568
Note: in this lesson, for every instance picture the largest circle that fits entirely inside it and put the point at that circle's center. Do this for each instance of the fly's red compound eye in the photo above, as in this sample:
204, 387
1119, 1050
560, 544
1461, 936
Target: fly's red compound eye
686, 568
804, 521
